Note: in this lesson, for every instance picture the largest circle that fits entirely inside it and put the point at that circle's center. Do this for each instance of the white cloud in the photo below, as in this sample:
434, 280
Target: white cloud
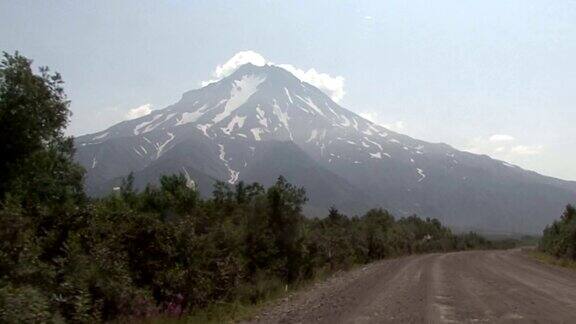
527, 150
501, 138
369, 20
333, 86
371, 116
239, 59
139, 111
396, 126
503, 147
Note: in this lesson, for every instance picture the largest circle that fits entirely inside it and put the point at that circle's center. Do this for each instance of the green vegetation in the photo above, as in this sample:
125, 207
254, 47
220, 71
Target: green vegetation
559, 239
509, 241
165, 251
550, 259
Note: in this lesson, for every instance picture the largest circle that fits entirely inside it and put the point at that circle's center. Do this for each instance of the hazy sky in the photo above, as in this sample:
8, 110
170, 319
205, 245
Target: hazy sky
490, 76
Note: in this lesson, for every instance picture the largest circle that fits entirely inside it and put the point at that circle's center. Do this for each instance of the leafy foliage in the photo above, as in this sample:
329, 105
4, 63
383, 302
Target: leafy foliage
33, 113
559, 239
166, 251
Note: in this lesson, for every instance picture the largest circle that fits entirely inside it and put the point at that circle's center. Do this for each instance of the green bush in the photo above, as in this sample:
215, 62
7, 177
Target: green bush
559, 239
24, 305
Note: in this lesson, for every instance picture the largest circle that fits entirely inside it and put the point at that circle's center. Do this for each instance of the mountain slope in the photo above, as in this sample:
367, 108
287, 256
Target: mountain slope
261, 122
324, 188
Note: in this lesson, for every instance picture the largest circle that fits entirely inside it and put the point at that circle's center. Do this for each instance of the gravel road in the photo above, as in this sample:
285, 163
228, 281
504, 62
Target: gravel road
461, 287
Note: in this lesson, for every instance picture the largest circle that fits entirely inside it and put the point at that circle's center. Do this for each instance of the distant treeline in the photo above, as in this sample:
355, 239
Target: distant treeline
559, 239
163, 251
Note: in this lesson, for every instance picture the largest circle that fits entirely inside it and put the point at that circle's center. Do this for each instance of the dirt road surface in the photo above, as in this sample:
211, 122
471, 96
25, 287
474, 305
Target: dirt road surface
461, 287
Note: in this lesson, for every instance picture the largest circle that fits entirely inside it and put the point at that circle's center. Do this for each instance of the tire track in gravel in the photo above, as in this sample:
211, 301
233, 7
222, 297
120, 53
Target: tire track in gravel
459, 287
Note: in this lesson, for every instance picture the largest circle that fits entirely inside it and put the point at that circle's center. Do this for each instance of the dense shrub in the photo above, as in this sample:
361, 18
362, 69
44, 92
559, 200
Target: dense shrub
559, 239
166, 251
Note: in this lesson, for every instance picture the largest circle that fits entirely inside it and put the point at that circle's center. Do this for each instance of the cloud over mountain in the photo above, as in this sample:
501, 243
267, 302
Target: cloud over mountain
333, 86
501, 138
139, 111
502, 146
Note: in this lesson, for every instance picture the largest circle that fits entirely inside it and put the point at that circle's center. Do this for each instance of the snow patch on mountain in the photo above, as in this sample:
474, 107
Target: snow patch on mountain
355, 123
372, 142
163, 145
204, 128
377, 155
189, 182
101, 136
138, 128
256, 133
288, 95
191, 117
313, 135
235, 121
233, 173
421, 174
311, 104
241, 91
261, 116
346, 121
282, 117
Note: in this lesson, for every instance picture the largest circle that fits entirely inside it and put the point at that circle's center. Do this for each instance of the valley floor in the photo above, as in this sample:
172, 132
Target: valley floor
478, 286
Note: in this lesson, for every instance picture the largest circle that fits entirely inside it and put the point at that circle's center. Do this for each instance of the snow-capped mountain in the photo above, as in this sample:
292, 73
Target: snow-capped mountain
262, 122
